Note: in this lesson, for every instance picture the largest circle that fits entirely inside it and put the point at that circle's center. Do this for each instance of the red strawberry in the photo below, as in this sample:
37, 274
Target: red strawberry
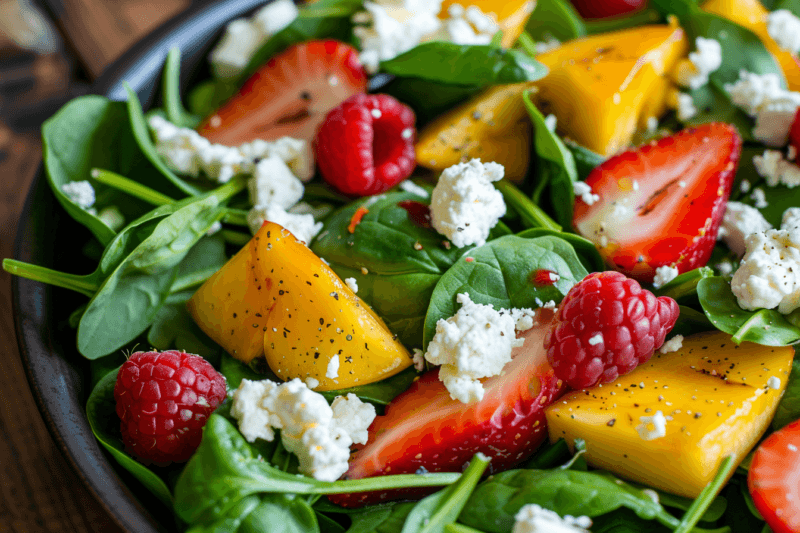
606, 326
794, 135
595, 9
163, 402
424, 429
290, 95
662, 203
366, 145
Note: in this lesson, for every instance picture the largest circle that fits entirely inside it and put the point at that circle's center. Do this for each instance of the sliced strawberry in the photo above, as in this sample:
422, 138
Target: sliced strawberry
794, 136
662, 203
595, 9
774, 479
290, 95
424, 429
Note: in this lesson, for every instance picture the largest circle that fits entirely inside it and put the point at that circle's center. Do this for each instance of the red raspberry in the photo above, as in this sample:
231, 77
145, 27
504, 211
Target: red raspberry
794, 136
163, 402
365, 145
606, 326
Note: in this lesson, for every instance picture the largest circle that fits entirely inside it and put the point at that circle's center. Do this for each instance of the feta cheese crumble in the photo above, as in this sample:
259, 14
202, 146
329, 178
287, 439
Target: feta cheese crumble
774, 383
419, 360
672, 345
352, 283
475, 343
707, 58
664, 274
302, 226
332, 372
532, 518
319, 435
739, 221
596, 339
759, 198
80, 193
112, 217
465, 206
657, 422
583, 191
411, 187
684, 105
784, 27
274, 183
776, 170
762, 97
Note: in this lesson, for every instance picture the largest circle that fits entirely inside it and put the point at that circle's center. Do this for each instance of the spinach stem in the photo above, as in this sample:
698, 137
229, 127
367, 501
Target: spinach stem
235, 237
527, 43
701, 503
172, 92
237, 217
460, 528
531, 214
134, 188
82, 284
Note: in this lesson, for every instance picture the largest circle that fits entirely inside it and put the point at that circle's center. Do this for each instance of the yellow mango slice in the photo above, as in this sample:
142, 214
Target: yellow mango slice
753, 15
600, 87
511, 16
317, 318
717, 398
492, 126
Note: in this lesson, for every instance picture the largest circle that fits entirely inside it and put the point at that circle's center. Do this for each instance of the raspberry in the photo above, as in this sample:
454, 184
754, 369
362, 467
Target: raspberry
606, 326
365, 146
163, 402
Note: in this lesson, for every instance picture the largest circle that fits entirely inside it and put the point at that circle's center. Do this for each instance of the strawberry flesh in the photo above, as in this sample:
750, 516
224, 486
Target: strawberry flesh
424, 429
290, 95
662, 203
594, 9
794, 136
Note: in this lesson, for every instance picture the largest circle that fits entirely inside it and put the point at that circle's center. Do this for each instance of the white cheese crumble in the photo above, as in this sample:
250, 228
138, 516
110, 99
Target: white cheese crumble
419, 360
776, 170
739, 221
707, 58
596, 339
112, 217
243, 37
658, 424
274, 183
542, 47
475, 343
583, 191
352, 283
532, 518
762, 97
672, 345
774, 383
80, 193
664, 274
311, 383
550, 122
469, 26
465, 206
411, 187
725, 268
332, 372
759, 198
302, 226
318, 434
685, 107
784, 27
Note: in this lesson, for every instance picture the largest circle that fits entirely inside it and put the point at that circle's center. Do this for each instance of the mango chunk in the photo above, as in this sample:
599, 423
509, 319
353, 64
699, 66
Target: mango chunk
492, 126
511, 16
601, 87
752, 15
316, 318
717, 399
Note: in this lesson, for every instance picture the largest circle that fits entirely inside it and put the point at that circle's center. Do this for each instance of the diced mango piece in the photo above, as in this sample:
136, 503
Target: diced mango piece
717, 399
316, 318
511, 16
600, 87
753, 15
492, 126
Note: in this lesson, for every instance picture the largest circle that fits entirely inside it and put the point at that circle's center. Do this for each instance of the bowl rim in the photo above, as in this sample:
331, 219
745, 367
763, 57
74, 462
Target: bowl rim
55, 382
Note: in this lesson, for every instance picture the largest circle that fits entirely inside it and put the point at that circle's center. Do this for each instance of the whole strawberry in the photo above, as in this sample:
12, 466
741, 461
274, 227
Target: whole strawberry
606, 326
163, 402
365, 146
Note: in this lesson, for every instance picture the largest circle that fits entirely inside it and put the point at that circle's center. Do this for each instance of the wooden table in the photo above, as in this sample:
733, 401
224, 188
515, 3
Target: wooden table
39, 492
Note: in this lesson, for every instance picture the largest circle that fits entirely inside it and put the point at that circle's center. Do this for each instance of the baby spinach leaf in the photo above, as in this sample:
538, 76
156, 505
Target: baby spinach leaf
791, 5
637, 18
269, 513
625, 521
206, 97
550, 456
684, 287
555, 167
586, 250
428, 99
381, 519
555, 19
764, 326
568, 492
172, 92
500, 273
328, 524
174, 329
690, 321
475, 65
738, 516
103, 419
789, 406
585, 160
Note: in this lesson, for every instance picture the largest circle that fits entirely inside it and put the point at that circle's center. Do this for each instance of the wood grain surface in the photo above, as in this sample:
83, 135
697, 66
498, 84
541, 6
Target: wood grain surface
39, 492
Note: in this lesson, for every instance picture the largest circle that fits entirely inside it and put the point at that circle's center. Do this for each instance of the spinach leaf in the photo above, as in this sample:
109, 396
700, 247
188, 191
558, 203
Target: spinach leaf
174, 329
691, 321
789, 406
473, 66
586, 250
684, 287
585, 160
172, 92
738, 517
206, 97
225, 469
638, 18
328, 524
550, 456
764, 326
428, 99
103, 419
625, 521
381, 519
568, 492
500, 273
434, 512
269, 513
791, 5
555, 19
88, 132
555, 168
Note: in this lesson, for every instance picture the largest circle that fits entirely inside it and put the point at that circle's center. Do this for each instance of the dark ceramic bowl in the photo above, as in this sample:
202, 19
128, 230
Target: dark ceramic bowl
58, 374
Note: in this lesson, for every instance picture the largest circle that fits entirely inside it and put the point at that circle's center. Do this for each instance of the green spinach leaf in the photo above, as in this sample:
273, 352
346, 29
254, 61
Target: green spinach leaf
269, 513
789, 406
638, 18
500, 273
428, 99
585, 160
791, 5
586, 250
555, 19
381, 519
206, 97
172, 92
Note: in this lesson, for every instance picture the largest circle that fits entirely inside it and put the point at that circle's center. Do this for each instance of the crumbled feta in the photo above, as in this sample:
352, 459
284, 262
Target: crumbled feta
311, 383
596, 339
759, 198
542, 47
740, 220
583, 191
112, 217
352, 283
550, 122
243, 37
762, 97
465, 206
652, 124
471, 26
411, 187
80, 193
332, 372
776, 170
664, 274
784, 27
274, 183
532, 518
685, 107
474, 343
744, 186
774, 383
214, 228
672, 345
419, 360
302, 226
523, 319
791, 218
318, 434
707, 58
725, 268
658, 424
187, 152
